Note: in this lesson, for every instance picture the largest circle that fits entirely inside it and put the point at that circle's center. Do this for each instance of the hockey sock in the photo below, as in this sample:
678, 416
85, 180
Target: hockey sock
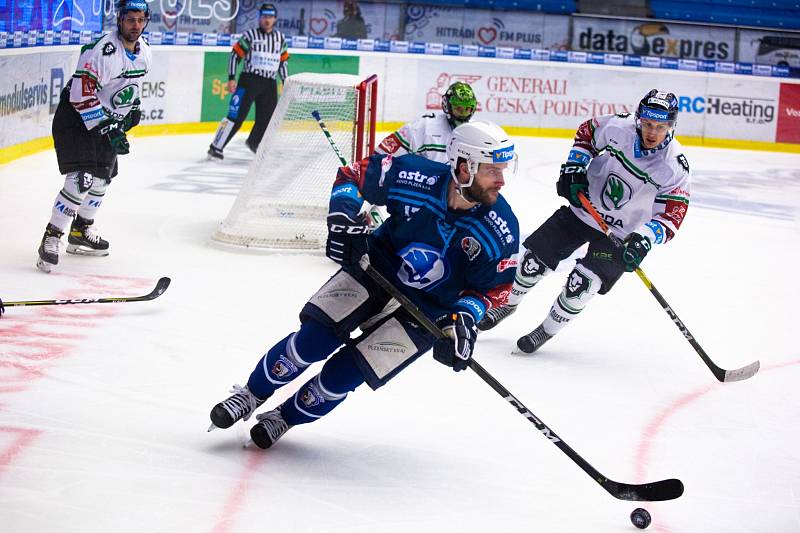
325, 391
223, 134
94, 199
290, 357
530, 271
581, 286
70, 198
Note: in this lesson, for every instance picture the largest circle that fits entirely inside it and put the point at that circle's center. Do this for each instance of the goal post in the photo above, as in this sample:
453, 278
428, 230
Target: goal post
283, 202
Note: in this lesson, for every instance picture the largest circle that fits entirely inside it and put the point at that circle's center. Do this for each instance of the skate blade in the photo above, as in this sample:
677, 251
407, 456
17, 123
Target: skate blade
77, 249
44, 266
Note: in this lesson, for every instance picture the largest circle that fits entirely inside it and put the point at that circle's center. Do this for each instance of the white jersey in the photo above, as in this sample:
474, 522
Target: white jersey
427, 136
106, 82
634, 189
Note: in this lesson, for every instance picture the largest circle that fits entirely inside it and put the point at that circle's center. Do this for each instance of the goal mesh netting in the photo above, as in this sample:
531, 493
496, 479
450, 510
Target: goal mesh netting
283, 202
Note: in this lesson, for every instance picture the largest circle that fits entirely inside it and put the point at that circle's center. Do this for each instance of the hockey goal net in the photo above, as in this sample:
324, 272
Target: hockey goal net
283, 202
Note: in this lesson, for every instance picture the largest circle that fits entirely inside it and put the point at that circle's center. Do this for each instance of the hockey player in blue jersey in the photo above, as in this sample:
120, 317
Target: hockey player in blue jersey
449, 245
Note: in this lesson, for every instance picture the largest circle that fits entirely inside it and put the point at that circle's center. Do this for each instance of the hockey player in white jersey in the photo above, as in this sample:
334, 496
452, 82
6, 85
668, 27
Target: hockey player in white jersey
98, 105
428, 135
634, 172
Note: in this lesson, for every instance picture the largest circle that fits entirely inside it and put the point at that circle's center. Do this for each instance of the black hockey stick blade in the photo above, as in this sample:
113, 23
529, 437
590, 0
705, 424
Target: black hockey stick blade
159, 289
658, 491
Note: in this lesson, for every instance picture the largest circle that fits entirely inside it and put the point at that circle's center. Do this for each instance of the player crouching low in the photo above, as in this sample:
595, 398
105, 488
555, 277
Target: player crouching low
446, 245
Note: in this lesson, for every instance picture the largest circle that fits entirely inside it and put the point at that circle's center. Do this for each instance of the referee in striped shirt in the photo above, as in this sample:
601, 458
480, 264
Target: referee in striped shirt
265, 55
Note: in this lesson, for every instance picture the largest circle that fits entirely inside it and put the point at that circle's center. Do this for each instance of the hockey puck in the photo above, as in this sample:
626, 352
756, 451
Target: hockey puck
640, 518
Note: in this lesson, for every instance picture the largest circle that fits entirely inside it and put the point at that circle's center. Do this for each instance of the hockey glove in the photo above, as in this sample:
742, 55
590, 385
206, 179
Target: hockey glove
634, 248
347, 240
112, 130
571, 180
133, 117
455, 350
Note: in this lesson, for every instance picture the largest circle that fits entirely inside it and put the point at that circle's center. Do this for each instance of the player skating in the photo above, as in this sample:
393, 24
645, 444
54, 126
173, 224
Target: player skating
99, 104
447, 246
635, 174
428, 135
265, 55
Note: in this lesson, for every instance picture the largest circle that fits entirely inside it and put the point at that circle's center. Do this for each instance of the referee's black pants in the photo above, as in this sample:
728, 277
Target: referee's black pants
252, 88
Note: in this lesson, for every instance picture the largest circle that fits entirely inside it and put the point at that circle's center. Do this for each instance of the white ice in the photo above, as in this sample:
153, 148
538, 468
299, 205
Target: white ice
104, 408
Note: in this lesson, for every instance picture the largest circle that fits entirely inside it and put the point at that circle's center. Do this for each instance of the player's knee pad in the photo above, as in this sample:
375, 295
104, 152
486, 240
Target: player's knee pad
77, 186
530, 270
581, 286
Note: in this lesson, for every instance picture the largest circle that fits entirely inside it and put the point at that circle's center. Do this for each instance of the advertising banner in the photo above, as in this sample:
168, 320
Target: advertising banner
789, 114
561, 96
190, 16
347, 19
29, 93
25, 15
769, 48
659, 39
215, 78
169, 91
450, 25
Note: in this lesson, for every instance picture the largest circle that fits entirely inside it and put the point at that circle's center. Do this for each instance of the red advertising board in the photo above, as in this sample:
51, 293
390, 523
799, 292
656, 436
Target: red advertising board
789, 114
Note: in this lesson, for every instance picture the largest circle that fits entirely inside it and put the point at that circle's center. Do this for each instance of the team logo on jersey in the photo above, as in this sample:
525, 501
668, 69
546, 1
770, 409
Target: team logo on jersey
683, 162
109, 49
390, 144
500, 227
616, 192
471, 247
505, 264
422, 266
124, 97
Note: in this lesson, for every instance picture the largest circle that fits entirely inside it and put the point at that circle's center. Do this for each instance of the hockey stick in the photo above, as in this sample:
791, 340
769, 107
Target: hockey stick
374, 216
324, 129
721, 374
159, 289
667, 489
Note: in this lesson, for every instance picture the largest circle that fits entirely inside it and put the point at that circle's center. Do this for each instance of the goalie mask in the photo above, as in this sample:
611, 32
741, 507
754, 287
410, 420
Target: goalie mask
459, 103
479, 142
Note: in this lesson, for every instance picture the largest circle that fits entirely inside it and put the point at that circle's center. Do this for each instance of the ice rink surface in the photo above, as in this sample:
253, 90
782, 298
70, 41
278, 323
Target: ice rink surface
104, 408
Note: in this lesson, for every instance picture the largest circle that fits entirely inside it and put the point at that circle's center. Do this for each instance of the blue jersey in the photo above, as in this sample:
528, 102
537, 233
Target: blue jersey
442, 259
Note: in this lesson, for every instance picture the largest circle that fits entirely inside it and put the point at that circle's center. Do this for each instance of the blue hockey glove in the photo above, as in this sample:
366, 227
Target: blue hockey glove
455, 350
347, 240
571, 180
112, 130
634, 249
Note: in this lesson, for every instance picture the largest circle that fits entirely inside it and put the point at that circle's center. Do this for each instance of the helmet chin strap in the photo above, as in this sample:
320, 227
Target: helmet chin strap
463, 188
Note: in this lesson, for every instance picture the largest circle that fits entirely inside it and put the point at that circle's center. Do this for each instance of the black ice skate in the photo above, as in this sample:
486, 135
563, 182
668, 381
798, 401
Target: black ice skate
494, 316
271, 426
49, 248
84, 240
533, 340
215, 154
238, 407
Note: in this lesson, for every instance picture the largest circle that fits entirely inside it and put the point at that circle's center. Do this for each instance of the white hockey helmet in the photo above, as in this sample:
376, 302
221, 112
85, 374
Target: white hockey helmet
479, 141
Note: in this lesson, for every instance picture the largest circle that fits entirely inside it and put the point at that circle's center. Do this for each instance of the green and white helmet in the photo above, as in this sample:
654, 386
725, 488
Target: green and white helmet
476, 142
459, 103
